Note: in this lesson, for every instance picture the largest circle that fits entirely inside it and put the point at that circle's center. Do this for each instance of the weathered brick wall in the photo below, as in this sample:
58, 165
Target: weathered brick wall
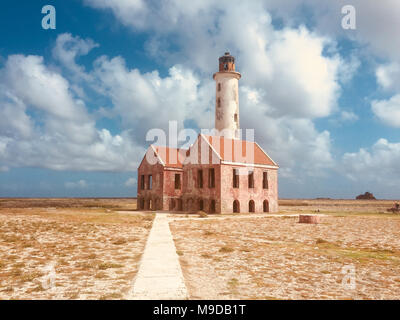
155, 195
244, 194
218, 199
192, 194
172, 196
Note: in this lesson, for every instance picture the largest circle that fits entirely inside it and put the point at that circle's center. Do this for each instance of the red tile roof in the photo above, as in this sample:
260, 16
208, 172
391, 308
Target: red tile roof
229, 150
171, 156
241, 151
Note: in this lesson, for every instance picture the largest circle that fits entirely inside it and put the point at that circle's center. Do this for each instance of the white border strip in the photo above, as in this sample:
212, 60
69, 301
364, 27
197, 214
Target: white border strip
250, 164
156, 153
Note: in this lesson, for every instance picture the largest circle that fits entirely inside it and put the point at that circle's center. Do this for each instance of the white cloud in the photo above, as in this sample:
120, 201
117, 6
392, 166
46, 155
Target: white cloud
348, 68
388, 111
68, 48
131, 182
295, 144
388, 76
288, 65
76, 185
14, 121
131, 12
379, 164
375, 22
146, 100
304, 84
62, 135
344, 117
348, 116
38, 86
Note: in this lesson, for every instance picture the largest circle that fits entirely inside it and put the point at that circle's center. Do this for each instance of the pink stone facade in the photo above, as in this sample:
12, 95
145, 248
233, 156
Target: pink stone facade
213, 195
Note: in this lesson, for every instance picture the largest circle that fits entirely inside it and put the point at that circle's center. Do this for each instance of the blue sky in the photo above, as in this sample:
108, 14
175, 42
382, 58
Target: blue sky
76, 102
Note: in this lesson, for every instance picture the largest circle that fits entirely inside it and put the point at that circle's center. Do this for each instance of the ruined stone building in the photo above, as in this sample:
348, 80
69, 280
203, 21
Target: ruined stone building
218, 173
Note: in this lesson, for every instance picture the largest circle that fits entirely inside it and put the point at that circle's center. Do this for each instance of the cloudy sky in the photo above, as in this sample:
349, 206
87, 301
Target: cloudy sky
76, 102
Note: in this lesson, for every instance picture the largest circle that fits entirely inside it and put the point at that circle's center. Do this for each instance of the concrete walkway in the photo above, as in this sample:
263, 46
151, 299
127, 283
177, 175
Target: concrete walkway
160, 275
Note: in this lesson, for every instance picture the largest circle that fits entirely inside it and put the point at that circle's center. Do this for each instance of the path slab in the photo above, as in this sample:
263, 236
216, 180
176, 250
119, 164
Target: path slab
160, 275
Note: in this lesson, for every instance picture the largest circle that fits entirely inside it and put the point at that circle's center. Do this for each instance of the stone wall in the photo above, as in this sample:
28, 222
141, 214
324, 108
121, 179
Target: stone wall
244, 194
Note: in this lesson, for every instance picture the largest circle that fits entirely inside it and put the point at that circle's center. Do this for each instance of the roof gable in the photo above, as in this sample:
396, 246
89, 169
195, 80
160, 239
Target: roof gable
228, 151
239, 151
170, 157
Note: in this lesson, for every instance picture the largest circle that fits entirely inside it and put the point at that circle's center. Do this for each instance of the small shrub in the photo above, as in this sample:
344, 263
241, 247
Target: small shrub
104, 266
226, 249
114, 295
38, 288
202, 214
85, 265
28, 277
233, 282
119, 241
148, 217
73, 296
100, 275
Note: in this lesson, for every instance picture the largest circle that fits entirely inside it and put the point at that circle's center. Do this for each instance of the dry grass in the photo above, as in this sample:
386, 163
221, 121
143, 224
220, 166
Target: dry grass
337, 207
278, 258
62, 203
93, 249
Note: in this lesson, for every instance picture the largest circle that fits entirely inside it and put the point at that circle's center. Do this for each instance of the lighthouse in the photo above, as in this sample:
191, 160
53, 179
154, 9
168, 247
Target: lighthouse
239, 176
227, 98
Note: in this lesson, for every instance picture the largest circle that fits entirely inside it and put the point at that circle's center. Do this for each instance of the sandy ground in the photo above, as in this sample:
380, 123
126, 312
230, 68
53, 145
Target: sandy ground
70, 248
354, 253
91, 248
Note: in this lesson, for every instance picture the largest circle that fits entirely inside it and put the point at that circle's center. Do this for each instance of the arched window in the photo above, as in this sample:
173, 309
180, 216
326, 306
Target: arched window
219, 87
180, 206
189, 204
236, 206
212, 206
201, 204
218, 102
265, 206
251, 206
172, 204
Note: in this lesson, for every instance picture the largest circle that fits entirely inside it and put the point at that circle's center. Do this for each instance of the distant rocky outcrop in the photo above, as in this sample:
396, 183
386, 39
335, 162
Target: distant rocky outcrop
366, 196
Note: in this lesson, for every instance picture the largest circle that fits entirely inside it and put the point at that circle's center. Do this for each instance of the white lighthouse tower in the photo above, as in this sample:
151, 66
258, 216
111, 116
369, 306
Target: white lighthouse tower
227, 98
